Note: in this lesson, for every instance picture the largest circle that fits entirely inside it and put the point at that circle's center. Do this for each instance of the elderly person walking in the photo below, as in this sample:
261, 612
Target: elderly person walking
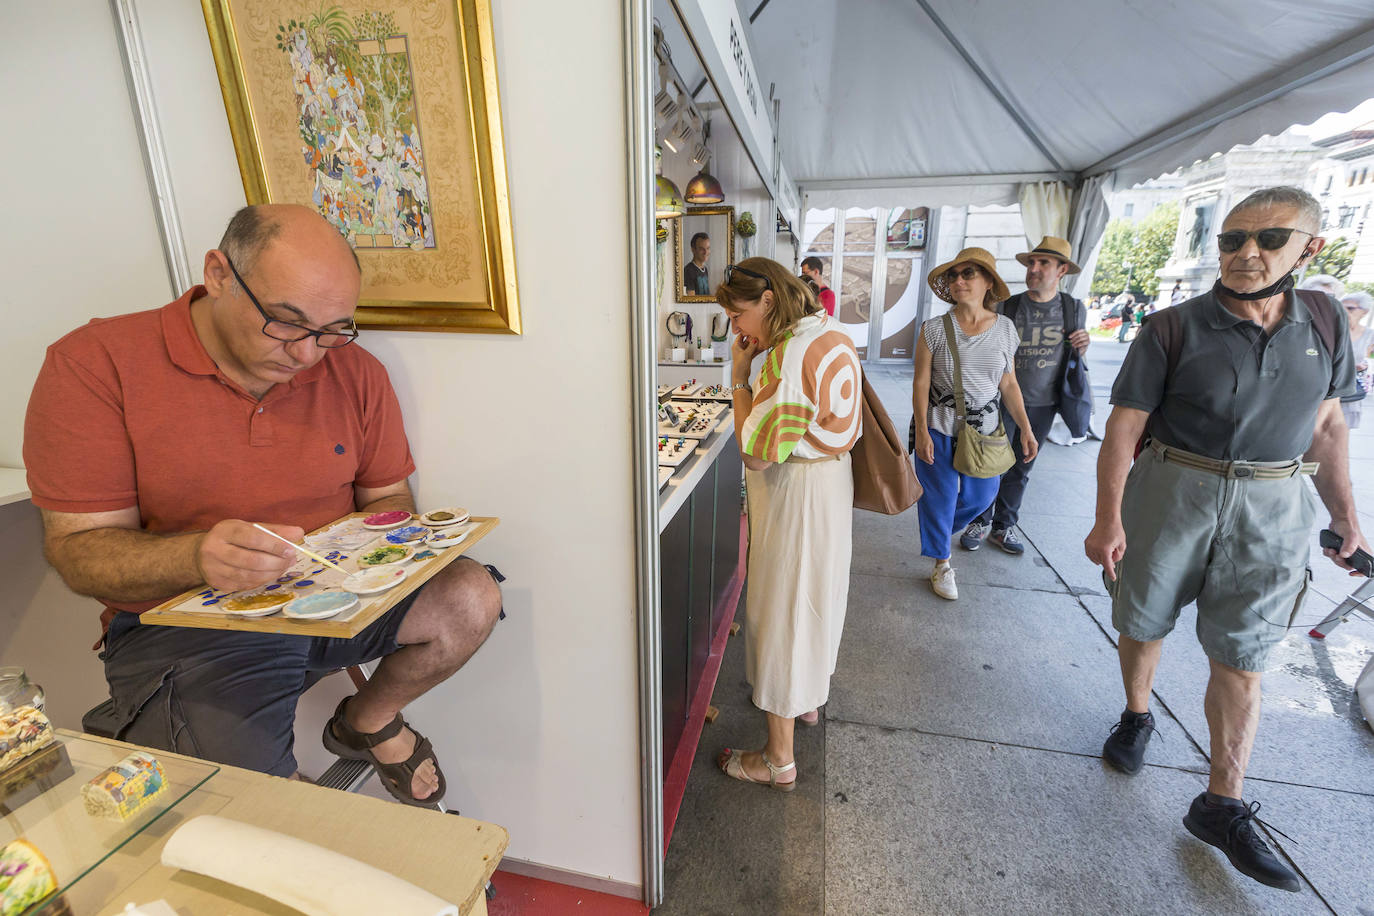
795, 427
1234, 391
986, 344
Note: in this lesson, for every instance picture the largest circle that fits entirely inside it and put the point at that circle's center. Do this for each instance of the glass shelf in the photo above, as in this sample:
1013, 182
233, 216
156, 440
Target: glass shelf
44, 806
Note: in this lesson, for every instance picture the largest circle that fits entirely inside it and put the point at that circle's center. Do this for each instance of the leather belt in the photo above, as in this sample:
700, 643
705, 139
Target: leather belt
1235, 470
794, 459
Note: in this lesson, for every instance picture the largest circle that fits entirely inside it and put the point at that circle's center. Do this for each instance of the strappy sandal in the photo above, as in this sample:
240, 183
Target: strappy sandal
733, 766
342, 740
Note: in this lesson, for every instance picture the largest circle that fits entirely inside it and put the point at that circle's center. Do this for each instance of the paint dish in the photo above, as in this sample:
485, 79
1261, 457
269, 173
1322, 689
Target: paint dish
255, 604
382, 521
407, 534
448, 537
451, 515
391, 553
320, 605
375, 581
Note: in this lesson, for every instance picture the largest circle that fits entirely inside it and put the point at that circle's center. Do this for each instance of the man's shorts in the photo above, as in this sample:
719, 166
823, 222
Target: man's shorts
228, 696
1238, 547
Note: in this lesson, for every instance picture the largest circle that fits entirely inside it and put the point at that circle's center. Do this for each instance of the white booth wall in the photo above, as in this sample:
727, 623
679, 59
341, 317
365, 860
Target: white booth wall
539, 732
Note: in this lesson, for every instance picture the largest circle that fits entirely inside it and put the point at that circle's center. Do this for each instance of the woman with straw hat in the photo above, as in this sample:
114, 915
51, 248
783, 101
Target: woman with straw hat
986, 344
795, 427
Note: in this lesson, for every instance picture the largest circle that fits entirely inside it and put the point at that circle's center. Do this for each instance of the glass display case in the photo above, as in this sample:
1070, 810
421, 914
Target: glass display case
41, 803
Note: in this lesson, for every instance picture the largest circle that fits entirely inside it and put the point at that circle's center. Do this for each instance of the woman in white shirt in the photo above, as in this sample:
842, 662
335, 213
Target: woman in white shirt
987, 345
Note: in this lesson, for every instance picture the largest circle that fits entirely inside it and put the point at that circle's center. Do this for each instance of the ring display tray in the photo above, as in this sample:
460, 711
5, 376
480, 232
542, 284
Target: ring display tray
685, 390
664, 475
709, 409
202, 607
699, 428
707, 393
672, 451
42, 805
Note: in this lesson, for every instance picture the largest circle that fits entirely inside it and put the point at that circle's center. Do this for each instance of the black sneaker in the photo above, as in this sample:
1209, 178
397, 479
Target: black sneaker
1230, 829
973, 535
1007, 540
1124, 748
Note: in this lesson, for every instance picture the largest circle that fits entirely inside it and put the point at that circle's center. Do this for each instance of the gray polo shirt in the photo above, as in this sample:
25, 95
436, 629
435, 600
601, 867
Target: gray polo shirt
1237, 393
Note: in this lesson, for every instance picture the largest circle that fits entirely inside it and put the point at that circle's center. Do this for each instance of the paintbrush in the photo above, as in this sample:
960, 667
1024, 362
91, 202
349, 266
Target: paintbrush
313, 556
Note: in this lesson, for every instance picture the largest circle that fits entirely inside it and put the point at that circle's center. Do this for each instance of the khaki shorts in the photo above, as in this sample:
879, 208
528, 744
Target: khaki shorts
1238, 547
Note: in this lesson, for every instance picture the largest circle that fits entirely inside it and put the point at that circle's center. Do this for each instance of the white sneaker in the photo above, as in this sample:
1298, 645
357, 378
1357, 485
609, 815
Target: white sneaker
942, 581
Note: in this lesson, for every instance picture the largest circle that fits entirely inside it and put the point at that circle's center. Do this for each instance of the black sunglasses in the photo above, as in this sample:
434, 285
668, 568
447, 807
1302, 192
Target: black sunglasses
1271, 239
968, 273
288, 332
732, 269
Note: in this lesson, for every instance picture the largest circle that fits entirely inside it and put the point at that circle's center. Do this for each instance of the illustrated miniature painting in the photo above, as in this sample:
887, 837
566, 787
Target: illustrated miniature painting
359, 127
384, 117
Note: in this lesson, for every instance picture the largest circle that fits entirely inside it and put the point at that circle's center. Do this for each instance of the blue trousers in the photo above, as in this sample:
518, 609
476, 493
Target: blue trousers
951, 500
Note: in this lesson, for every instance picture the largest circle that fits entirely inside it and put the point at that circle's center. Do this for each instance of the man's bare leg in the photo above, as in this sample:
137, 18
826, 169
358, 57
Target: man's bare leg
1138, 663
448, 622
1233, 710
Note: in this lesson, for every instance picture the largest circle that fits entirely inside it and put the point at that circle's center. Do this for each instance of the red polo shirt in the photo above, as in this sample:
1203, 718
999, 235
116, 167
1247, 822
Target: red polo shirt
132, 411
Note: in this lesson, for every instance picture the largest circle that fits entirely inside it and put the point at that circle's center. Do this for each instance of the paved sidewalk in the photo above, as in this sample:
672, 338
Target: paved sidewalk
957, 768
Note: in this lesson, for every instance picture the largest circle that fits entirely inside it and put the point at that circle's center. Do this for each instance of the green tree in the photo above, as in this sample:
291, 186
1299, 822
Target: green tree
1334, 259
1144, 245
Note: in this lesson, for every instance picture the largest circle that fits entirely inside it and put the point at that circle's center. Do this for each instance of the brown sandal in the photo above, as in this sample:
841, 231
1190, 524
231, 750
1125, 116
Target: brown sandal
342, 740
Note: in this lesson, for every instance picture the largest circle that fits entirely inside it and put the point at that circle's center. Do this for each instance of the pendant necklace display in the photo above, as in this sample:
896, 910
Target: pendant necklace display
679, 326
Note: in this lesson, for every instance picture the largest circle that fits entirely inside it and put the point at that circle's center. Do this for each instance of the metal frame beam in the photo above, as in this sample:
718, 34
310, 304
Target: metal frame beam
1336, 58
1011, 110
929, 181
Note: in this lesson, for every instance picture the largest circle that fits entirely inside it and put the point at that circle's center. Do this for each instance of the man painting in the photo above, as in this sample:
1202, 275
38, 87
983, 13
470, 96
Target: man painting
694, 278
155, 439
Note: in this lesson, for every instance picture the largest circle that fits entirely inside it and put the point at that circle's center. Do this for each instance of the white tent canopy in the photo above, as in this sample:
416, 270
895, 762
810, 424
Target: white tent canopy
963, 101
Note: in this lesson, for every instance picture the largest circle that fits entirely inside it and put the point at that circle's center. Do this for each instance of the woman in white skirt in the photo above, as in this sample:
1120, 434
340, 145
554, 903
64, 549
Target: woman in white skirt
795, 427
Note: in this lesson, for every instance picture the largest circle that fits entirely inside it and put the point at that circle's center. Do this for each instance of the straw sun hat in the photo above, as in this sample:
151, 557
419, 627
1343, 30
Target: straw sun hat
979, 256
1055, 248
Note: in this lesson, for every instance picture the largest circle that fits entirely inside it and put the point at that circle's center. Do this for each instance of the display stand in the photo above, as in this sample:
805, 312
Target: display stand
48, 812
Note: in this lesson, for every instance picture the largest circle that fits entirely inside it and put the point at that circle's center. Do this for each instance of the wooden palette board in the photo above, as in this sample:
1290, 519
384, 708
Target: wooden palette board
370, 607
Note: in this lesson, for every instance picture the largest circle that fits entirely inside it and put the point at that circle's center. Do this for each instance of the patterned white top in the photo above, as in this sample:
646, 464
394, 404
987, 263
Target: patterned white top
808, 398
984, 359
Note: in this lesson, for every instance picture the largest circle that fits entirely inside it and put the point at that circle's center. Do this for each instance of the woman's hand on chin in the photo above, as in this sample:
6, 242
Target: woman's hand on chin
742, 354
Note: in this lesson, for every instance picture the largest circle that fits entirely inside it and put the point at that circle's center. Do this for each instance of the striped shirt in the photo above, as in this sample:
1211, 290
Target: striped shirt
808, 396
983, 359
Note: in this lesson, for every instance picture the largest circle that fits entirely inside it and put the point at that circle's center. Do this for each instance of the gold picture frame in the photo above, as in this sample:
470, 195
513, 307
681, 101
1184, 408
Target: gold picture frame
384, 116
716, 222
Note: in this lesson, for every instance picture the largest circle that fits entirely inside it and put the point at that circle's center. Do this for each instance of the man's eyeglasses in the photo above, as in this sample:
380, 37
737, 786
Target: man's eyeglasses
288, 332
968, 273
1271, 239
732, 269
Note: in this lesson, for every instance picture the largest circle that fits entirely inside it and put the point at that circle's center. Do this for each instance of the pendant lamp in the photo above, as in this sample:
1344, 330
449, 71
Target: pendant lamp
704, 188
667, 198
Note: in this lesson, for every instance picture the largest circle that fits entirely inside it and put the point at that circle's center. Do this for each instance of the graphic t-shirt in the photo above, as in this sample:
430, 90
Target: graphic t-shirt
1041, 350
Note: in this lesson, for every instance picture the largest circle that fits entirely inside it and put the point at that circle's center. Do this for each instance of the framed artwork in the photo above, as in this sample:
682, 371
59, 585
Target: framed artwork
382, 115
705, 244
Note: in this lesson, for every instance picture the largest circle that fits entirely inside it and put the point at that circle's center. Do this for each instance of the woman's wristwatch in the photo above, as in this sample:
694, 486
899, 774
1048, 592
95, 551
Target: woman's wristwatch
740, 385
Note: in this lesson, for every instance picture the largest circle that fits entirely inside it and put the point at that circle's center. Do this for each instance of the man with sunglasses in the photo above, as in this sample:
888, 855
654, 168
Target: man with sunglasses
155, 439
1231, 396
